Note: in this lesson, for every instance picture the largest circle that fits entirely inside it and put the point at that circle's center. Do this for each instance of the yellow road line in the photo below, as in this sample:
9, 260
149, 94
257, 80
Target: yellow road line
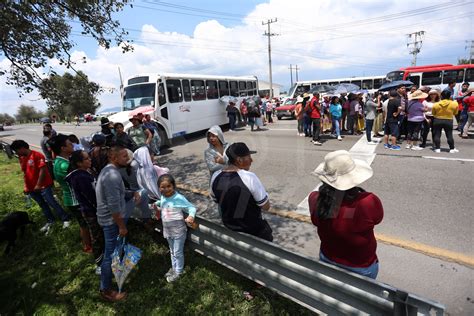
428, 250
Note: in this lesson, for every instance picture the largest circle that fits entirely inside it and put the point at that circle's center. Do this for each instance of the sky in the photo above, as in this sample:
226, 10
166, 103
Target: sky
326, 38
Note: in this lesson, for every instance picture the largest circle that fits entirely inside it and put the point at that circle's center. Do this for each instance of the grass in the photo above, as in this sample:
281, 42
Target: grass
50, 275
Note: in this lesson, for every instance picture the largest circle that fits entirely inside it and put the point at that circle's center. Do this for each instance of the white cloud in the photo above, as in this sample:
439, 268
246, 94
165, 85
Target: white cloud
325, 38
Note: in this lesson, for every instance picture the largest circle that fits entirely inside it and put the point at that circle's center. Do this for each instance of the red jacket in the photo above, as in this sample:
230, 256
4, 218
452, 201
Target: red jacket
315, 112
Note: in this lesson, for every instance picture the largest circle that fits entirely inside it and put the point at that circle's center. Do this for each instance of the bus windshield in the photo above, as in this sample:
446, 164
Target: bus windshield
394, 75
138, 95
292, 90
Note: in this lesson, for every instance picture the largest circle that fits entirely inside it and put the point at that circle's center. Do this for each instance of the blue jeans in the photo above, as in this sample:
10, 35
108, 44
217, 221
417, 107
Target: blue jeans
368, 129
370, 271
307, 125
335, 124
177, 252
45, 199
111, 233
232, 119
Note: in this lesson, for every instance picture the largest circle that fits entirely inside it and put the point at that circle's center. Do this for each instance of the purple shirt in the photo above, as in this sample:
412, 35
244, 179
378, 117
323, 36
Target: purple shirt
415, 111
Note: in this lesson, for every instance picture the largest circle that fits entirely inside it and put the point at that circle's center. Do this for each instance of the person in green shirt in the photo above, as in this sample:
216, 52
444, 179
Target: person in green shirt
63, 148
138, 133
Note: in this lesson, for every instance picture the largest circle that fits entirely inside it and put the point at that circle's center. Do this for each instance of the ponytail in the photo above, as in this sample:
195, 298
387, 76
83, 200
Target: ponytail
330, 199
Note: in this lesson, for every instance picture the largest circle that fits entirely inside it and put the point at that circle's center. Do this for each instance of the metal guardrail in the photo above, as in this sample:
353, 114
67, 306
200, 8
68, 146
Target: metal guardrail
318, 286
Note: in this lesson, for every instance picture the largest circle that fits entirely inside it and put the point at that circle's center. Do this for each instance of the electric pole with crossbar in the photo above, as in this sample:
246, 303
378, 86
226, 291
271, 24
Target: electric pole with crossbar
270, 34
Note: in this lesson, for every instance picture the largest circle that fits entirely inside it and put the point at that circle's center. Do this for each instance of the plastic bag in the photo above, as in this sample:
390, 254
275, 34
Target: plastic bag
124, 258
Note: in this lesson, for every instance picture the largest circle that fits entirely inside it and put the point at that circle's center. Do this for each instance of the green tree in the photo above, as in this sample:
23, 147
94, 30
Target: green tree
33, 32
7, 119
70, 95
28, 113
463, 61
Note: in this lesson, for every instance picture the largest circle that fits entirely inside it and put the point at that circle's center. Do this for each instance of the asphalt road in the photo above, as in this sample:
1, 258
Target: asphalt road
426, 201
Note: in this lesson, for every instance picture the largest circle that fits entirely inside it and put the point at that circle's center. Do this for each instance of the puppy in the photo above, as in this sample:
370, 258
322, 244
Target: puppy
9, 226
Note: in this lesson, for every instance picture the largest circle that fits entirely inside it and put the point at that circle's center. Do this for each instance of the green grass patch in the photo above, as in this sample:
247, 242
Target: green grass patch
50, 275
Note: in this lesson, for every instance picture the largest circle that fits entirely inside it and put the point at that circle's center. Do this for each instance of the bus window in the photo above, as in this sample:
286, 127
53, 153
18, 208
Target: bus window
323, 83
254, 87
186, 90
453, 75
249, 88
345, 81
198, 90
234, 88
211, 89
357, 82
161, 94
242, 88
415, 79
173, 87
367, 84
469, 75
223, 88
377, 83
430, 78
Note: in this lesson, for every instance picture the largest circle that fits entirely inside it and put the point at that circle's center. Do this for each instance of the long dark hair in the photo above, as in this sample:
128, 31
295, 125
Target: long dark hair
330, 199
75, 158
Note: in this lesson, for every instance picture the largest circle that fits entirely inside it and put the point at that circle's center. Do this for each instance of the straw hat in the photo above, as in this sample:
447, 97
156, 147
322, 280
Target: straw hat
418, 94
341, 171
306, 95
433, 91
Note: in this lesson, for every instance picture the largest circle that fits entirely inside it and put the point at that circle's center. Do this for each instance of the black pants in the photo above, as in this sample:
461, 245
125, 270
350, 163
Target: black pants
413, 130
447, 126
316, 129
266, 232
427, 127
368, 129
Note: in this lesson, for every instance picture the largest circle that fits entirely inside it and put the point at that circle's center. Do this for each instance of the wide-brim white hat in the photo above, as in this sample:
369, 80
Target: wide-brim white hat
343, 172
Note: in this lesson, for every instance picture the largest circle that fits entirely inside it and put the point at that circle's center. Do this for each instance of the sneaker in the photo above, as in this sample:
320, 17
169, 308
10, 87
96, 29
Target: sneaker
46, 227
339, 138
395, 147
437, 151
112, 296
386, 146
169, 273
98, 270
416, 148
173, 277
317, 143
453, 151
372, 142
408, 146
66, 224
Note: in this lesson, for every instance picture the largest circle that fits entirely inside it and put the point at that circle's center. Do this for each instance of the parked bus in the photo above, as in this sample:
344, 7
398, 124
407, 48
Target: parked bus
370, 83
436, 76
183, 103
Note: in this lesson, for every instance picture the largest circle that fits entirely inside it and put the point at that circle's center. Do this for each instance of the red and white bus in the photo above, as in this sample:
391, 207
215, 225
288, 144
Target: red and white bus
436, 76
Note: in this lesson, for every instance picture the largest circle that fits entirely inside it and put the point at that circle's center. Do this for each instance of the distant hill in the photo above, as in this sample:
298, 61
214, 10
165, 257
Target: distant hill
108, 110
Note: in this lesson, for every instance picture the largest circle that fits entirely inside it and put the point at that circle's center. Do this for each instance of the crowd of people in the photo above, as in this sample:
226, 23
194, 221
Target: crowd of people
397, 116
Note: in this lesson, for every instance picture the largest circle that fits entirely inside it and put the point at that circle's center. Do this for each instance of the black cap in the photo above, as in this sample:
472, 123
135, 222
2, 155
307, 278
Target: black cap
238, 150
104, 121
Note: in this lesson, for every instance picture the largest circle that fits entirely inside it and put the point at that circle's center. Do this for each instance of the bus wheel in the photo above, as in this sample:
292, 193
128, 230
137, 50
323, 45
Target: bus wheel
164, 139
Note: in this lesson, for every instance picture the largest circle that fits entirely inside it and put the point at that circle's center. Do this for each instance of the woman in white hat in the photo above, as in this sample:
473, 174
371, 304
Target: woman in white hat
416, 116
345, 214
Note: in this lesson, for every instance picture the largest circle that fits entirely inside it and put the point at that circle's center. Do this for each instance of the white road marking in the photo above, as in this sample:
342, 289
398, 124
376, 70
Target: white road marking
447, 158
361, 150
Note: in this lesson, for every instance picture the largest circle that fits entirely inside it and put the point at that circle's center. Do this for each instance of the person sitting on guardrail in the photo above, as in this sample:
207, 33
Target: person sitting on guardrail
345, 214
38, 182
214, 155
241, 195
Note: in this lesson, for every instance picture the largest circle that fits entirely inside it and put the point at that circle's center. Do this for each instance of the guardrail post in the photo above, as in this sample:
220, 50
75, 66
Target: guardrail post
401, 306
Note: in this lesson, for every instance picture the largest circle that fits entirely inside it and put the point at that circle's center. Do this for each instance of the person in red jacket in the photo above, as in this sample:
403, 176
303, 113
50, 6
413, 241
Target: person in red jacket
313, 109
345, 214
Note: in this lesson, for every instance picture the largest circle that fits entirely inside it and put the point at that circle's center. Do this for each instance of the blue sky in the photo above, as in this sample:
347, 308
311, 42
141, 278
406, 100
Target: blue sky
326, 39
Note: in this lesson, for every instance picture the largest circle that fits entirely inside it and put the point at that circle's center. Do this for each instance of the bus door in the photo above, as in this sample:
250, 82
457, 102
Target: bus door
178, 109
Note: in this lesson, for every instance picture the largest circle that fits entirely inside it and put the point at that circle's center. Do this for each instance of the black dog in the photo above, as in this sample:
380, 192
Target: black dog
9, 226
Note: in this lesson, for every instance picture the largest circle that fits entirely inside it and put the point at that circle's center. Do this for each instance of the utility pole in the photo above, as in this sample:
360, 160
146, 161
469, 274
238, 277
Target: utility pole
270, 34
417, 43
291, 75
471, 51
296, 70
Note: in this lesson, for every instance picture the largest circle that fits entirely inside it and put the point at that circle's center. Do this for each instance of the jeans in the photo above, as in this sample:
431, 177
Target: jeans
368, 129
177, 252
300, 126
45, 199
231, 121
316, 129
468, 124
111, 233
351, 121
97, 237
307, 125
447, 126
335, 125
370, 271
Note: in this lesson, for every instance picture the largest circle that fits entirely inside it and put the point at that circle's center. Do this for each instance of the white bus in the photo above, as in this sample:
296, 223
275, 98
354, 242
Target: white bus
370, 83
183, 103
